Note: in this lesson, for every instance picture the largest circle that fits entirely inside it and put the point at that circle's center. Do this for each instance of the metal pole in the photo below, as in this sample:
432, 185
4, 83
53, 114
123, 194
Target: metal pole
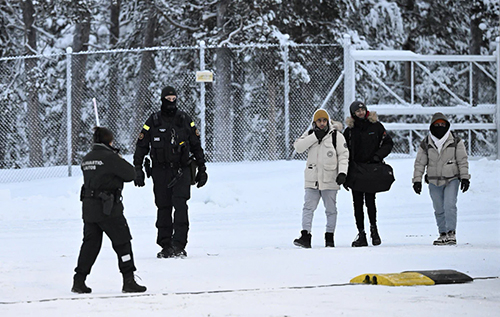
470, 83
349, 79
410, 143
69, 51
287, 102
202, 97
498, 97
412, 76
469, 141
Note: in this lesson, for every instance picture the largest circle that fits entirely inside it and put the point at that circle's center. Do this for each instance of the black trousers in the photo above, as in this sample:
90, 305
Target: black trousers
172, 228
359, 199
117, 230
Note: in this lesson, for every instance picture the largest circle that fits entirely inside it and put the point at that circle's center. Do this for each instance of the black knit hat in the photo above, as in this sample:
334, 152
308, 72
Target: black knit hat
102, 135
355, 106
168, 91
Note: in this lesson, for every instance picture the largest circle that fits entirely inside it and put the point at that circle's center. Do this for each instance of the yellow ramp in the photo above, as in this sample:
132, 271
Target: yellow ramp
393, 279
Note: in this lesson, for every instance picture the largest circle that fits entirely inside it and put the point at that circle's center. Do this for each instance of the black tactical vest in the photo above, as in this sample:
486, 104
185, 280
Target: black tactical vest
170, 140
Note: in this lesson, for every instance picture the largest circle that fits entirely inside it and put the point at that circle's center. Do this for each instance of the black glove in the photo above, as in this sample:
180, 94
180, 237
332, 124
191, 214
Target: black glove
341, 178
201, 177
417, 187
346, 188
464, 185
320, 133
139, 177
376, 159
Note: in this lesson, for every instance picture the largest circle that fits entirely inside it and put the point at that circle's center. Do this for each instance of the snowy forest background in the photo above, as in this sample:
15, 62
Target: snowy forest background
244, 49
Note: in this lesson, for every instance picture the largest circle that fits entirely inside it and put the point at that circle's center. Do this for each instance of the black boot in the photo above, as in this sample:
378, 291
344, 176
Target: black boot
374, 234
304, 241
179, 252
360, 240
329, 240
167, 252
79, 285
131, 286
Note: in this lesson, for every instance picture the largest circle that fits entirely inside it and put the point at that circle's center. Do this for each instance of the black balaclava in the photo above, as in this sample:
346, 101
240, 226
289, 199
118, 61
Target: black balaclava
355, 106
168, 108
439, 132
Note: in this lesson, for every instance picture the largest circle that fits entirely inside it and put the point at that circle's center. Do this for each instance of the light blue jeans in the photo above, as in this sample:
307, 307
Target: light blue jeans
444, 199
311, 200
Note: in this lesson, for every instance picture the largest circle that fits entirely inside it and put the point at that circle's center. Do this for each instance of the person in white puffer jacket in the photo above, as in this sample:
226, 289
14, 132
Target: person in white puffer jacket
325, 172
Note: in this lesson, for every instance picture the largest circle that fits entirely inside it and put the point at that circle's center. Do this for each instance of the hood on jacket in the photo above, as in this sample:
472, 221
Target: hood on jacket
439, 132
371, 116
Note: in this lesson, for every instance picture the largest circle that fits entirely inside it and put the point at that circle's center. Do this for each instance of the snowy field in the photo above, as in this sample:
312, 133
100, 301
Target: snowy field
241, 260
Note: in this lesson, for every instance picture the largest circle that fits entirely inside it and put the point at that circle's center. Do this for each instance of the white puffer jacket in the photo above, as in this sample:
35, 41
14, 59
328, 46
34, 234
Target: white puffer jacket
324, 162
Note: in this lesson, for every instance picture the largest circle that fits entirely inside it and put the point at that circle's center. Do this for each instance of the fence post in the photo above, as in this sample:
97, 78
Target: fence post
69, 51
202, 97
287, 102
498, 97
349, 77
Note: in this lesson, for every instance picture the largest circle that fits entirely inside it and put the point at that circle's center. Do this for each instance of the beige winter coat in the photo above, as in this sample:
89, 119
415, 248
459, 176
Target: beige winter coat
442, 167
324, 162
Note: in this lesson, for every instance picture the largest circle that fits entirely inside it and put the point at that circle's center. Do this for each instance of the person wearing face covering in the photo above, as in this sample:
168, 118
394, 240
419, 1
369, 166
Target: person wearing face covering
444, 157
171, 138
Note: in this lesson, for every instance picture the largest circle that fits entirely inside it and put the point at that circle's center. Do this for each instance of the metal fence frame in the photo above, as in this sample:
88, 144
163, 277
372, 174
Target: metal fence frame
354, 58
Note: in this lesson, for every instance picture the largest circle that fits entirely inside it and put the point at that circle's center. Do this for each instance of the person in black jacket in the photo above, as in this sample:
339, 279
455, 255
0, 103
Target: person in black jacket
169, 136
104, 172
368, 142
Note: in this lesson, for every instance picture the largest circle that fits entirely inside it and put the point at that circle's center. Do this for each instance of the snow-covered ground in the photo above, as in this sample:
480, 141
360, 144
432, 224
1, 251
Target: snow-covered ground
241, 260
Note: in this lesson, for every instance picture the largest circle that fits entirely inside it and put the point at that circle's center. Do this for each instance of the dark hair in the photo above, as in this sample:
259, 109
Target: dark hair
102, 135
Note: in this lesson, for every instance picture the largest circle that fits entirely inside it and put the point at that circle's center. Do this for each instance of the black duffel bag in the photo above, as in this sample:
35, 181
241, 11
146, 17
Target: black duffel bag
370, 177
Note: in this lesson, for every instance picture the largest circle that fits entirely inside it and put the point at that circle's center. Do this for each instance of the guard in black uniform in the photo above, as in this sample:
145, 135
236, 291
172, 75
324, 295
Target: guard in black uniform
170, 136
104, 172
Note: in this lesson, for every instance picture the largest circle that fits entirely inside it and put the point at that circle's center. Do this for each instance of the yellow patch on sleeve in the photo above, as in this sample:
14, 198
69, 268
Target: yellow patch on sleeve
146, 127
192, 124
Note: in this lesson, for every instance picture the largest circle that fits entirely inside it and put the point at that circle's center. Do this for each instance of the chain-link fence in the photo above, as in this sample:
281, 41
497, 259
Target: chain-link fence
261, 100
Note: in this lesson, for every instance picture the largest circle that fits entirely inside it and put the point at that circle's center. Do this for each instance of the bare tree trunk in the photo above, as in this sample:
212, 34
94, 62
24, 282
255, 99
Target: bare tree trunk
78, 68
272, 131
477, 9
238, 93
409, 45
112, 111
223, 114
144, 96
33, 120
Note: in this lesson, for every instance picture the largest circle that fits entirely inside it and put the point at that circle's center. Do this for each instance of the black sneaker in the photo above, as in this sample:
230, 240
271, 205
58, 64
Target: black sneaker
131, 286
375, 236
329, 240
179, 252
304, 241
79, 286
165, 253
360, 240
